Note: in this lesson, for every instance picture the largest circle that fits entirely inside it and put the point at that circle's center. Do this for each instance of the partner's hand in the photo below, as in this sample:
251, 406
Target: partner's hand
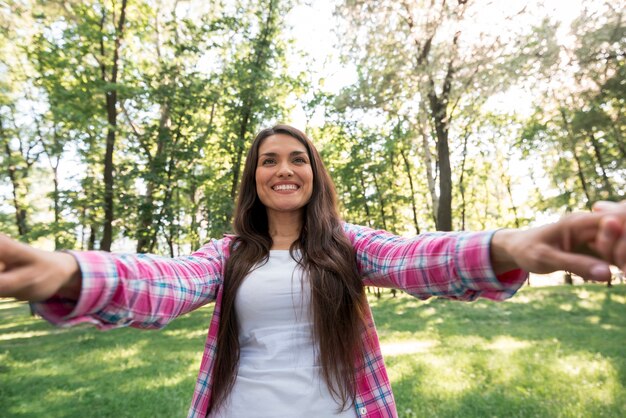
27, 273
610, 242
564, 245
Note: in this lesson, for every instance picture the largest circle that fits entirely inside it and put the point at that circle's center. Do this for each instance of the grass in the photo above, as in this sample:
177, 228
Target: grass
548, 352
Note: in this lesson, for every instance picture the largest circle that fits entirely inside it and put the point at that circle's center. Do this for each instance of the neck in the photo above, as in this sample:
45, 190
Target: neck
284, 228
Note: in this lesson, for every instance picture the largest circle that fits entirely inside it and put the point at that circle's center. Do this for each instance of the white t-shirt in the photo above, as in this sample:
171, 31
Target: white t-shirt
279, 372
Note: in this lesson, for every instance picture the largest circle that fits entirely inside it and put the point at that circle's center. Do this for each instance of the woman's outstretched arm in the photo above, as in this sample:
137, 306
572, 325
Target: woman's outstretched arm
27, 273
110, 290
492, 264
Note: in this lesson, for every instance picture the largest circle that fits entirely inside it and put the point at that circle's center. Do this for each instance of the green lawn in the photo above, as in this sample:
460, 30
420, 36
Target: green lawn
548, 352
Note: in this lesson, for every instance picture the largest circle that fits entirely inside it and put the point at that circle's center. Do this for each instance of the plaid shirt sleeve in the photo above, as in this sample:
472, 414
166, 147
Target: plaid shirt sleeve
455, 265
139, 290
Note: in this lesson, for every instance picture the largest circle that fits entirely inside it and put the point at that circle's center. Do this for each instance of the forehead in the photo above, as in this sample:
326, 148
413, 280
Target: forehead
281, 144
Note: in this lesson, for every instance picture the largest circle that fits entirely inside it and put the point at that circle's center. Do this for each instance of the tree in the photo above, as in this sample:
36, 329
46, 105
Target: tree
579, 124
425, 58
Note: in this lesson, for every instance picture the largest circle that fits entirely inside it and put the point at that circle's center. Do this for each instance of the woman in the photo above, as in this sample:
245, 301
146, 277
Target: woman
291, 334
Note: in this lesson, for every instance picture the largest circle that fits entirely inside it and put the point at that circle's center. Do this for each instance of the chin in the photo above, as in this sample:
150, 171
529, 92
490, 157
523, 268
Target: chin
290, 208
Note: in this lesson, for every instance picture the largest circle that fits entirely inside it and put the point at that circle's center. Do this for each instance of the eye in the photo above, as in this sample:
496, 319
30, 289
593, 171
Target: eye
299, 160
268, 161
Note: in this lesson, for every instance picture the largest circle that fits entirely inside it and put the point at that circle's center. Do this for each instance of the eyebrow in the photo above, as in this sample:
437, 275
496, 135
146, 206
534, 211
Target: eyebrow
273, 154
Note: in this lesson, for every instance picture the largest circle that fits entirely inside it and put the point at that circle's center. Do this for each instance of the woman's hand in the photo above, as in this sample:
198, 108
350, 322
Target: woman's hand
30, 274
582, 243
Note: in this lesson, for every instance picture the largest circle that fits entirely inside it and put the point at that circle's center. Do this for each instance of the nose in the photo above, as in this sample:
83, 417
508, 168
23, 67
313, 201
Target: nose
284, 170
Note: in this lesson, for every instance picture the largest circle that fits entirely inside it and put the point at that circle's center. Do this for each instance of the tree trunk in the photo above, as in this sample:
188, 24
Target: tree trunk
195, 224
93, 231
581, 177
381, 201
20, 211
579, 168
147, 233
111, 108
441, 119
432, 187
513, 207
368, 215
462, 182
605, 179
439, 115
83, 220
407, 167
393, 204
57, 208
567, 278
262, 46
239, 150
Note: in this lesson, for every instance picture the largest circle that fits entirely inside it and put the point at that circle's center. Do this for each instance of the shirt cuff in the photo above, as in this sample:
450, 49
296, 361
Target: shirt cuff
476, 272
99, 279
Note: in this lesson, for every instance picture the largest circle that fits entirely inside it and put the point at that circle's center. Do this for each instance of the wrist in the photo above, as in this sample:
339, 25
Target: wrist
502, 259
72, 282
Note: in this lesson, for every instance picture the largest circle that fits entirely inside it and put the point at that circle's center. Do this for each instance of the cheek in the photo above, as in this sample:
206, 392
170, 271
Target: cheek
258, 178
309, 181
258, 183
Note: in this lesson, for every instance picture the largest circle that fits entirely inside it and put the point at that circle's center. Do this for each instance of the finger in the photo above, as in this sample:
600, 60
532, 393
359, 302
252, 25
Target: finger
598, 231
578, 229
619, 252
582, 265
608, 206
608, 237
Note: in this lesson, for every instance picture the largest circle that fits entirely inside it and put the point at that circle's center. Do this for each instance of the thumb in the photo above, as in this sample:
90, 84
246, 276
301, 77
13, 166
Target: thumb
585, 266
16, 283
14, 253
606, 206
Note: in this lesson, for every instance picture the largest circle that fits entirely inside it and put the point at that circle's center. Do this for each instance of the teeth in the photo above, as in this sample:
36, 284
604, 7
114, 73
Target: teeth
285, 187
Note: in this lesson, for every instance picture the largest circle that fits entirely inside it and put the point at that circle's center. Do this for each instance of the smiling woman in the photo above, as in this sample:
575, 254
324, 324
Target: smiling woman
284, 178
292, 330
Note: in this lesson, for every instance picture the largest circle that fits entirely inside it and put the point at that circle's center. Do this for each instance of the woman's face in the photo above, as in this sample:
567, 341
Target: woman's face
284, 177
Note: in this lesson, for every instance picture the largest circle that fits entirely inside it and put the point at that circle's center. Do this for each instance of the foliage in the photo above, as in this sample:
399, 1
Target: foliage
421, 141
174, 96
578, 129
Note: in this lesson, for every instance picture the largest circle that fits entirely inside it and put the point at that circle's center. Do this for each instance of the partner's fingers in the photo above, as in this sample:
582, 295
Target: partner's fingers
607, 240
619, 251
610, 239
608, 206
582, 265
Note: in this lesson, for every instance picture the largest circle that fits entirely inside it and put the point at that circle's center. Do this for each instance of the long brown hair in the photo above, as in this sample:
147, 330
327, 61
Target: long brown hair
337, 294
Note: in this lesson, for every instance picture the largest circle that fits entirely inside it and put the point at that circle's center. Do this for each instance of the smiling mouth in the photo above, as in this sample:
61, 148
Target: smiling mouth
285, 187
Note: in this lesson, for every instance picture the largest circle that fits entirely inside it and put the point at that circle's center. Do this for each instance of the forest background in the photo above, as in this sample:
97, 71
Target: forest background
124, 124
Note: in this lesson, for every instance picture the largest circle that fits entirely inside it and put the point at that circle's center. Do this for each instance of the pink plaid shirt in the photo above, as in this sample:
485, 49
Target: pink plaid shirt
147, 291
